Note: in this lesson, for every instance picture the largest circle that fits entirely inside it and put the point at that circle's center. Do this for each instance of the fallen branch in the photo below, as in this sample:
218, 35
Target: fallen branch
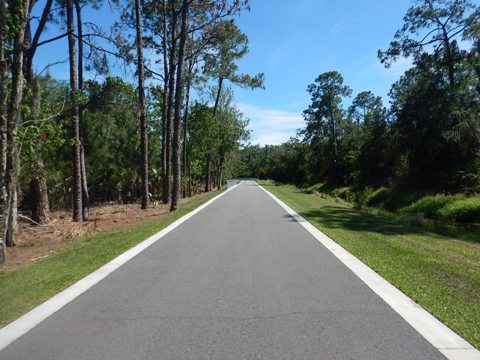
38, 224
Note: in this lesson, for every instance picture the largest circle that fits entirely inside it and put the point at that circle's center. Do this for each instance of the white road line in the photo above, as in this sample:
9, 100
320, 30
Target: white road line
22, 325
450, 344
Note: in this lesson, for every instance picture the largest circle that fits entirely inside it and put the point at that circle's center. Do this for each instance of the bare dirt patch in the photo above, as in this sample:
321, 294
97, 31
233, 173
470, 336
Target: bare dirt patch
35, 243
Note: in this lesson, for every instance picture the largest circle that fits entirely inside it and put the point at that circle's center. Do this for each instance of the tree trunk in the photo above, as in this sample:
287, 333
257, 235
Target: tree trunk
178, 107
171, 89
208, 180
34, 42
83, 168
220, 166
141, 104
185, 136
77, 167
186, 167
12, 206
450, 60
3, 128
13, 121
189, 178
165, 158
207, 172
476, 65
39, 204
39, 193
217, 98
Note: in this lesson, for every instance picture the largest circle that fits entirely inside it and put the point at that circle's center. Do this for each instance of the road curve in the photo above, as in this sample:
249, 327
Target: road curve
239, 280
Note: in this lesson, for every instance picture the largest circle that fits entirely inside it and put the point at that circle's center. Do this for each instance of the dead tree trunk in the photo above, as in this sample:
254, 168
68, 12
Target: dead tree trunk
76, 158
141, 104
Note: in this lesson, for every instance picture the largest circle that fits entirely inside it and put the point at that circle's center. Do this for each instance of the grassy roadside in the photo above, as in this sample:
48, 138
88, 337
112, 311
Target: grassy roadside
442, 273
31, 285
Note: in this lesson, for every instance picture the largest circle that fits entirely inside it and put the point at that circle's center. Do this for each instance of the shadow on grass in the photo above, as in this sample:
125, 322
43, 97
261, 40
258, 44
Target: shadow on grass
332, 217
338, 217
342, 218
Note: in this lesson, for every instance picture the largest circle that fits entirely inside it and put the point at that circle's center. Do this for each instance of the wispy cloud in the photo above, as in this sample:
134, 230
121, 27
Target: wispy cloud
271, 126
346, 23
396, 70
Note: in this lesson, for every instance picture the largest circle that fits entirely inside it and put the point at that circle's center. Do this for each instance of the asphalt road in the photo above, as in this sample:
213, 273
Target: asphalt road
239, 280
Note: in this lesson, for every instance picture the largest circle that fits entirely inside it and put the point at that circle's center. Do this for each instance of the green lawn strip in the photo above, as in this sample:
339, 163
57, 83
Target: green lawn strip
442, 273
29, 286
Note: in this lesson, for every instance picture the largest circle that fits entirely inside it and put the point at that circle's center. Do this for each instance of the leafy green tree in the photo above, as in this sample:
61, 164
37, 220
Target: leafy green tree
366, 108
113, 142
433, 26
229, 46
231, 130
324, 118
423, 108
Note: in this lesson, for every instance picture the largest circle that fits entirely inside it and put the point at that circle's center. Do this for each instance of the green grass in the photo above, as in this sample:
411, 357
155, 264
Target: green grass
29, 286
429, 206
462, 210
442, 273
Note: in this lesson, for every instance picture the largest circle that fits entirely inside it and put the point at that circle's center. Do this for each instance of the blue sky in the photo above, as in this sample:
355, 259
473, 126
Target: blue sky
292, 42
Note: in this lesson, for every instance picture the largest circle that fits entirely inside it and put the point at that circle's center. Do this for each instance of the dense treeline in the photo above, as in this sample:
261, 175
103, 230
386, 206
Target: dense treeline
428, 140
98, 137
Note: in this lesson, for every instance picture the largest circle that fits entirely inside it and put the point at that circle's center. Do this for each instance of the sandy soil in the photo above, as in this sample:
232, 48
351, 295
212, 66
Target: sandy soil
38, 242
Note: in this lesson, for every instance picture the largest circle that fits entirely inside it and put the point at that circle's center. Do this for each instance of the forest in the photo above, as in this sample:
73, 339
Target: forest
156, 136
424, 146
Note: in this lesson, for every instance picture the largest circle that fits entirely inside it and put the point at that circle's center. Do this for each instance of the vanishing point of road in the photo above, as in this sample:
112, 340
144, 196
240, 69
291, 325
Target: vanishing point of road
239, 280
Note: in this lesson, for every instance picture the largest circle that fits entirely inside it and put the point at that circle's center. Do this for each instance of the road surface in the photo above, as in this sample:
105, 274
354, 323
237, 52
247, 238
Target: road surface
239, 280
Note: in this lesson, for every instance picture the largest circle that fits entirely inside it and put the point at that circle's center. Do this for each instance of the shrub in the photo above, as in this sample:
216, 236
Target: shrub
429, 206
391, 199
462, 210
360, 198
317, 187
344, 193
378, 197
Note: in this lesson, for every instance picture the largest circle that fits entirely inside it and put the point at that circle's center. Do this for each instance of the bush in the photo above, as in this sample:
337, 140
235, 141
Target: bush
360, 198
378, 197
429, 206
344, 193
317, 187
390, 199
462, 210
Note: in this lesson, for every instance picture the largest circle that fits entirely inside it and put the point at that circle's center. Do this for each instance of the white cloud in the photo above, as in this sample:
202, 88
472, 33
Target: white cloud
271, 126
274, 138
397, 69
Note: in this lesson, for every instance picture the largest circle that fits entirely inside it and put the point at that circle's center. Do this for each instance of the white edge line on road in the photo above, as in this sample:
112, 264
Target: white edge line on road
450, 344
25, 323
